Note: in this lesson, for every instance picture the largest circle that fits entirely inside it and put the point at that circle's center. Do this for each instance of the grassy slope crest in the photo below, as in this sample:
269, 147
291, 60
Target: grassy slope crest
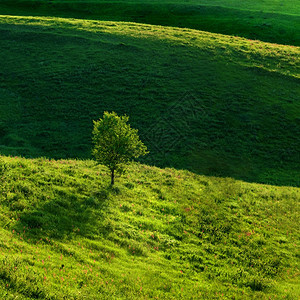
270, 21
229, 105
159, 233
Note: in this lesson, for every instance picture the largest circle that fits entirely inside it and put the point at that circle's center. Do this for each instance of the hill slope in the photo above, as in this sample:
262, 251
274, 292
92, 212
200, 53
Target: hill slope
271, 21
229, 106
159, 234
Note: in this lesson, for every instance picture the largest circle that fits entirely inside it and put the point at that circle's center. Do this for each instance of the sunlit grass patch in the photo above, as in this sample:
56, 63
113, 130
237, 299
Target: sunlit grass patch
142, 238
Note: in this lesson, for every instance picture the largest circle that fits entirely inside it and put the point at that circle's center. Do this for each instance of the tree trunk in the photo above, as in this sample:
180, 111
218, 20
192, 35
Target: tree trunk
112, 177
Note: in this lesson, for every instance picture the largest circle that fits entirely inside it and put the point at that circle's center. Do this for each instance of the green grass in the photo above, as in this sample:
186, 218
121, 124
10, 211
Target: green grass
158, 234
271, 21
214, 104
227, 105
287, 7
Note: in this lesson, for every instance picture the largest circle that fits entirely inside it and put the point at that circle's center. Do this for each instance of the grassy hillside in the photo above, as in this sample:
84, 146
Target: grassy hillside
272, 20
228, 105
158, 234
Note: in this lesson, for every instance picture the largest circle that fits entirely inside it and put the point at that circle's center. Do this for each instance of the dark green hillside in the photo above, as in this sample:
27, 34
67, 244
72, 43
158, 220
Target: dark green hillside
158, 234
271, 21
214, 104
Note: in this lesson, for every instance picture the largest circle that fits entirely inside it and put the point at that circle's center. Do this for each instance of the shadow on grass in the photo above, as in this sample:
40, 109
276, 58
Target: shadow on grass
227, 126
67, 215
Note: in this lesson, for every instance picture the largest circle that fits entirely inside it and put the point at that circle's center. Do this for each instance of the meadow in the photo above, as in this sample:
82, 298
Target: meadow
227, 105
273, 21
157, 234
213, 88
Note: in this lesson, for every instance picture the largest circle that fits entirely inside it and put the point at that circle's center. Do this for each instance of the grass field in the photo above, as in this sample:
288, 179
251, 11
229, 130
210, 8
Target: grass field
272, 20
228, 105
288, 7
213, 88
158, 234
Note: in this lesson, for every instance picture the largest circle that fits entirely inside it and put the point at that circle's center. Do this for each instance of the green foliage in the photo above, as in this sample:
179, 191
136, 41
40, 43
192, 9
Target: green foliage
65, 232
115, 142
3, 167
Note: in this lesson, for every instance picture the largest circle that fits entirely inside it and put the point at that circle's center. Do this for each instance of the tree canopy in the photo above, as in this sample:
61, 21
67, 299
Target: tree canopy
115, 142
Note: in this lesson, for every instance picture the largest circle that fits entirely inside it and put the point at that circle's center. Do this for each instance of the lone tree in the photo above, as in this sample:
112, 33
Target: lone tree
116, 143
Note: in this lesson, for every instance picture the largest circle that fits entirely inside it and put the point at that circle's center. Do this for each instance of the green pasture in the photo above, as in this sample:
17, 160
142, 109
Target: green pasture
157, 234
271, 21
210, 103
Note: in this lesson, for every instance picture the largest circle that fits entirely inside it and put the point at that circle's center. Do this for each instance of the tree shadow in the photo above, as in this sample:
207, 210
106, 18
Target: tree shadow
66, 216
